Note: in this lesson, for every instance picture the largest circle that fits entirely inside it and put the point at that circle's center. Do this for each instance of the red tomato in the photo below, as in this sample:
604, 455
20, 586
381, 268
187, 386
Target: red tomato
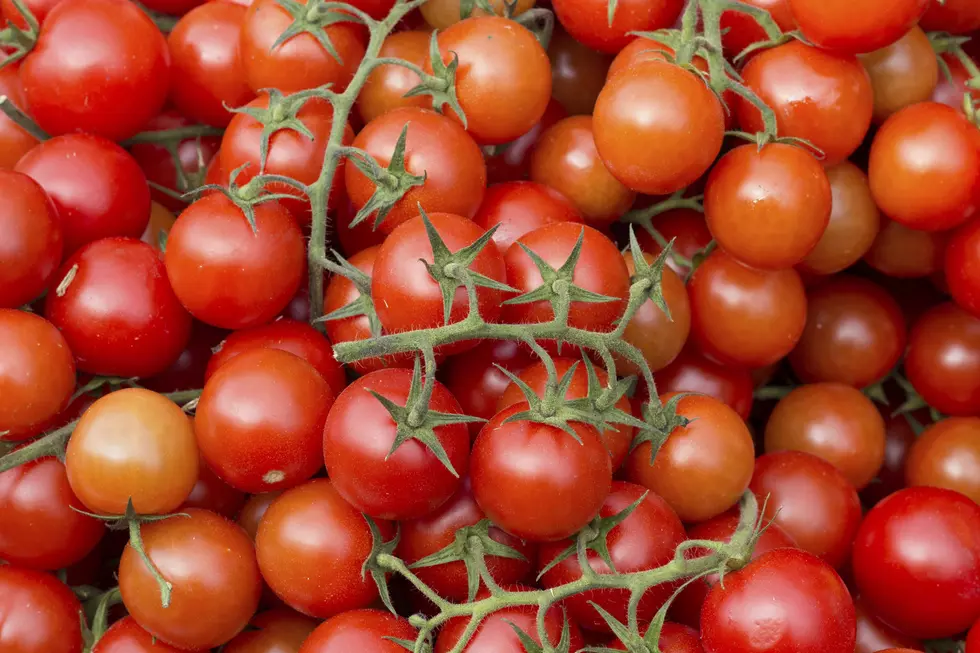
32, 244
126, 636
360, 630
674, 638
904, 253
903, 73
39, 613
254, 510
693, 372
973, 639
514, 163
588, 20
275, 630
950, 90
943, 360
97, 188
899, 438
947, 455
963, 266
387, 85
744, 30
874, 636
659, 335
38, 8
686, 227
956, 16
211, 493
99, 66
843, 27
519, 207
15, 142
578, 72
187, 372
916, 559
475, 380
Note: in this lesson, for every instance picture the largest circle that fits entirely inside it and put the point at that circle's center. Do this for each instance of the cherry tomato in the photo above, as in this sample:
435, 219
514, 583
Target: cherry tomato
15, 142
950, 90
743, 30
902, 74
692, 372
916, 559
127, 636
943, 360
387, 85
842, 27
905, 253
973, 639
364, 630
947, 455
956, 16
275, 630
187, 372
211, 493
519, 207
674, 638
253, 511
685, 227
39, 613
578, 72
899, 438
963, 266
874, 636
32, 243
99, 66
588, 20
440, 14
514, 162
477, 382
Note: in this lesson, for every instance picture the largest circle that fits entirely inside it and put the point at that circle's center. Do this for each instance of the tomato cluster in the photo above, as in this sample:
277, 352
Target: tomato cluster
489, 326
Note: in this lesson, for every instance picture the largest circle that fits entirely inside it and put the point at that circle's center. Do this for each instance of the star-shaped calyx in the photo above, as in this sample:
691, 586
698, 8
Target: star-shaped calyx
390, 184
441, 84
531, 645
279, 115
659, 422
363, 305
313, 18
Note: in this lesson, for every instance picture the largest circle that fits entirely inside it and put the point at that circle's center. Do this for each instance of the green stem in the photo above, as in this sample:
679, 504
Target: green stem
22, 120
173, 135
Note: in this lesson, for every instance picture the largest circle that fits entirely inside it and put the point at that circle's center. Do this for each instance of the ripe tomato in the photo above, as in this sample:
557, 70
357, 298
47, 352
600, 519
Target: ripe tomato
39, 613
905, 253
947, 455
743, 30
357, 446
805, 604
216, 583
874, 636
767, 207
899, 438
97, 188
674, 638
657, 127
741, 316
963, 266
32, 244
477, 382
117, 311
704, 467
99, 66
387, 85
300, 62
254, 510
644, 540
956, 16
916, 559
311, 545
588, 20
686, 227
693, 372
519, 207
187, 372
943, 360
207, 74
973, 639
440, 14
275, 630
37, 377
436, 147
211, 493
15, 142
925, 167
902, 74
842, 27
817, 95
227, 275
950, 90
565, 158
127, 636
578, 73
514, 162
364, 630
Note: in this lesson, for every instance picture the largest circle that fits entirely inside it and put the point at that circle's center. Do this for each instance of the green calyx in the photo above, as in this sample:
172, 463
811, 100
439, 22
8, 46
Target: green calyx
281, 114
17, 40
660, 421
313, 18
390, 183
441, 84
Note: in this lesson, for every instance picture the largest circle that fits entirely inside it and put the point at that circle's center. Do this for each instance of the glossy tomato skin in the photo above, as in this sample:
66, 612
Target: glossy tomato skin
117, 311
963, 266
211, 493
899, 439
278, 449
956, 16
40, 614
97, 188
674, 638
311, 545
916, 560
874, 636
806, 605
947, 455
127, 636
902, 74
743, 30
588, 20
842, 27
32, 243
225, 274
514, 163
254, 510
768, 208
686, 227
905, 253
519, 207
107, 78
216, 583
207, 73
360, 630
578, 72
279, 629
14, 139
387, 85
693, 372
358, 438
973, 639
644, 540
943, 360
187, 372
817, 95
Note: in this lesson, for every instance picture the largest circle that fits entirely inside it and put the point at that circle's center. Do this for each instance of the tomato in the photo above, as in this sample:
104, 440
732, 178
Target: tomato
644, 540
947, 455
686, 227
440, 14
117, 311
475, 380
37, 373
916, 559
565, 158
39, 613
364, 630
743, 30
956, 16
311, 545
514, 163
874, 636
38, 8
943, 360
357, 446
387, 85
207, 72
692, 372
842, 27
32, 245
855, 333
97, 188
216, 584
578, 72
950, 90
126, 636
187, 372
260, 420
902, 74
301, 62
434, 532
99, 66
512, 461
600, 269
353, 240
275, 630
805, 605
854, 222
227, 275
741, 316
899, 438
674, 638
905, 253
519, 207
703, 468
963, 266
811, 500
407, 297
925, 167
254, 509
15, 142
211, 493
816, 95
973, 639
767, 207
588, 20
435, 147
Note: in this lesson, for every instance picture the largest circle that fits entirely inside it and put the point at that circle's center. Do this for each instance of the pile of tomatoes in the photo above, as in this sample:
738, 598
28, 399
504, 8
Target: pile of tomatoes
597, 283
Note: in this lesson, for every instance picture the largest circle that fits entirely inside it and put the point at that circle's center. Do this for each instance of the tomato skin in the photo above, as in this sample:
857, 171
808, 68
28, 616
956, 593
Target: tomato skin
946, 455
578, 72
97, 188
119, 314
39, 613
741, 316
277, 630
387, 85
32, 243
900, 572
436, 147
254, 510
38, 375
363, 630
973, 639
311, 545
126, 636
207, 72
925, 167
904, 253
693, 372
588, 21
743, 30
225, 274
358, 436
515, 460
187, 372
514, 163
950, 90
899, 439
963, 266
657, 127
644, 540
520, 207
902, 74
38, 8
107, 78
943, 360
818, 96
211, 563
956, 16
15, 142
211, 493
686, 227
806, 604
874, 636
842, 27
